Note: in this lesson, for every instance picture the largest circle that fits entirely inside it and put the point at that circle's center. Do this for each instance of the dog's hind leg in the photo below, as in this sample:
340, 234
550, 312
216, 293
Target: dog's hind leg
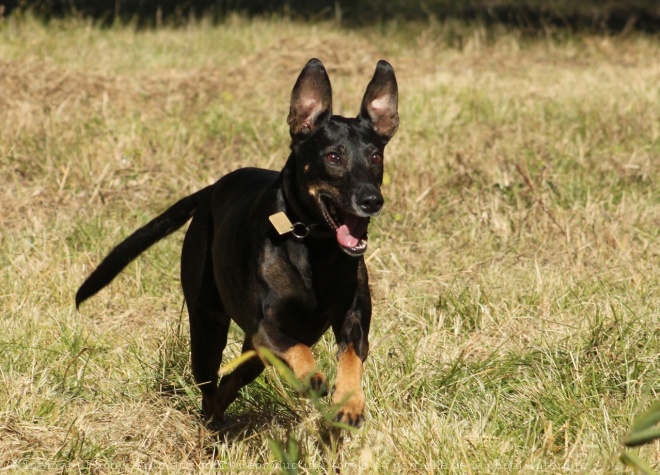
233, 382
208, 338
209, 323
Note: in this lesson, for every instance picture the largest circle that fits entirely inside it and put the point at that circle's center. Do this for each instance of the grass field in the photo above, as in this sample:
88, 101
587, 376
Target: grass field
514, 269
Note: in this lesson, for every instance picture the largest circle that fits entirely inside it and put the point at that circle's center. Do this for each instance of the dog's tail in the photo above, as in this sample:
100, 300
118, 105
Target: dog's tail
172, 219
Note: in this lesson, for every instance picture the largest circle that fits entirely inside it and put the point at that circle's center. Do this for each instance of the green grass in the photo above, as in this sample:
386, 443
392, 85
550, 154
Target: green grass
514, 269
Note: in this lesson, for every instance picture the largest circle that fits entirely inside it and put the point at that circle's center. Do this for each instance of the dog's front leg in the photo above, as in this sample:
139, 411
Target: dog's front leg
353, 348
296, 355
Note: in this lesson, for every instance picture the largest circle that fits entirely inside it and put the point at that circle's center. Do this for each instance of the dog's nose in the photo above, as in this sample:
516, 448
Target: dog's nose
371, 201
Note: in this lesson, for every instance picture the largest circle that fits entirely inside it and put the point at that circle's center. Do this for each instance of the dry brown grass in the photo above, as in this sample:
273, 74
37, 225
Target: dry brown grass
514, 270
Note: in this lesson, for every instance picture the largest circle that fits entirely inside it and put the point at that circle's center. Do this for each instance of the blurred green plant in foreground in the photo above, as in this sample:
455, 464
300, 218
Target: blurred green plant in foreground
644, 431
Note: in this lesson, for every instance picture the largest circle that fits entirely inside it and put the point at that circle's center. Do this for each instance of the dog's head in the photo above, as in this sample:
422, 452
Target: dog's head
339, 160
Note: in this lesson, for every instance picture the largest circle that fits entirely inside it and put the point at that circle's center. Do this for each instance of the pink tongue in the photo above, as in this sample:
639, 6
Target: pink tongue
354, 229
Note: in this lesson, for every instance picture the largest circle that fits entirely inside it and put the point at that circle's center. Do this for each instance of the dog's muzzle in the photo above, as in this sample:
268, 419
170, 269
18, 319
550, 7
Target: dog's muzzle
350, 229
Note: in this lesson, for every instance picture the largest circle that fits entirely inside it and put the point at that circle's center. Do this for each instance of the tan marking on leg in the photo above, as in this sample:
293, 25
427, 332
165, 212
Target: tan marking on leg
300, 359
297, 356
348, 387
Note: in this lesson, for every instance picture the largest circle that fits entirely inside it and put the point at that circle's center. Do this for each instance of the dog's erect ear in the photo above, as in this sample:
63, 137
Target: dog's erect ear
311, 100
380, 102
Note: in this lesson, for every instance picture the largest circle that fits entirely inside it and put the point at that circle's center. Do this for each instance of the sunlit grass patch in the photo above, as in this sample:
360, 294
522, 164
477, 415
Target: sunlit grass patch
514, 267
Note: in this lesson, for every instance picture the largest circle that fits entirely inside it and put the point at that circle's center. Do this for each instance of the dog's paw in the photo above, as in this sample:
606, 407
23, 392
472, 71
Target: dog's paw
350, 416
352, 410
213, 419
208, 408
316, 383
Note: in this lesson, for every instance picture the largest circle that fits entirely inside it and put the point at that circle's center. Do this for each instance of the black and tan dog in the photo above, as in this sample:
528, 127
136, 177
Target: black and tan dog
281, 253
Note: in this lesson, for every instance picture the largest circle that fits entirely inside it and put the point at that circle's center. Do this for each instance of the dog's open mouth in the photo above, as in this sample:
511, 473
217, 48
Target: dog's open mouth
351, 230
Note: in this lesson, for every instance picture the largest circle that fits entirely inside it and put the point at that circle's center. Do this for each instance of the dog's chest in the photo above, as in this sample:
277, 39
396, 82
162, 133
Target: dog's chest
306, 287
328, 275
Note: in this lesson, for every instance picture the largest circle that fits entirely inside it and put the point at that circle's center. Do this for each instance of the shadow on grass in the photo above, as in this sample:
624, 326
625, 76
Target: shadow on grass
251, 414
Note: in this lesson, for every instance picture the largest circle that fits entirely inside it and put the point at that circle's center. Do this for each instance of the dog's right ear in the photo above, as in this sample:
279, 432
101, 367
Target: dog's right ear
311, 100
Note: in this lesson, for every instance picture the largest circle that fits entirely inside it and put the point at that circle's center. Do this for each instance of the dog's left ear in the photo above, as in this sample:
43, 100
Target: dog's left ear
311, 100
380, 101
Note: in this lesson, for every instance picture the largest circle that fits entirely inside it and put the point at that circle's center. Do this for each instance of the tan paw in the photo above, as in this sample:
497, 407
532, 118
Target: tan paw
352, 411
316, 383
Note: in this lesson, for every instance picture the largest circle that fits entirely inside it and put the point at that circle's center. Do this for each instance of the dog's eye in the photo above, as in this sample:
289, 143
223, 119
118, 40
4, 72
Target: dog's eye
332, 157
376, 158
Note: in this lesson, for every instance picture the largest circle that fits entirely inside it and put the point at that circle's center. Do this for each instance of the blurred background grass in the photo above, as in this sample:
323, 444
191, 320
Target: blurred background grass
529, 15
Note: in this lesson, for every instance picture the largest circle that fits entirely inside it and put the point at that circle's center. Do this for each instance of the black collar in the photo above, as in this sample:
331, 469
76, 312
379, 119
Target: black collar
303, 226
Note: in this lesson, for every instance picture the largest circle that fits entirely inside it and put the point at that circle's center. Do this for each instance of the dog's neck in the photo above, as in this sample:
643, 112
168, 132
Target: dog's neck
295, 212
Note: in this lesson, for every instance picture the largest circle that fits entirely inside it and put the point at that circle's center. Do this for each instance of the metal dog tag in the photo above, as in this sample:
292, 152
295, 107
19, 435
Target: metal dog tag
281, 223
